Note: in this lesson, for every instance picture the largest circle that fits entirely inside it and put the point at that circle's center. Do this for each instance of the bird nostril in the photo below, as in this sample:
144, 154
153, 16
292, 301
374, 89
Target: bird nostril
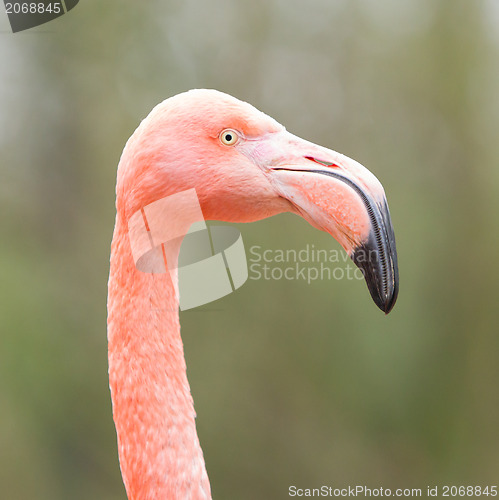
322, 162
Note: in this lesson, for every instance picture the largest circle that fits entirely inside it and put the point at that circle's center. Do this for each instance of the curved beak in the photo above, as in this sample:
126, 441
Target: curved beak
376, 257
338, 195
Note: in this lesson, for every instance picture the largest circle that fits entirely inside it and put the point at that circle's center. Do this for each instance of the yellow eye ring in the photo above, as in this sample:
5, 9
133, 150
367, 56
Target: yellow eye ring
229, 137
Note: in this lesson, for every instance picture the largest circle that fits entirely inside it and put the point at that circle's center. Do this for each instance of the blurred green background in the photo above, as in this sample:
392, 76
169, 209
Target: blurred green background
294, 384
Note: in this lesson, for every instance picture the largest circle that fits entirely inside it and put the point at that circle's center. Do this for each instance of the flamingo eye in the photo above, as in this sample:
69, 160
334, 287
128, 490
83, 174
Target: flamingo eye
229, 137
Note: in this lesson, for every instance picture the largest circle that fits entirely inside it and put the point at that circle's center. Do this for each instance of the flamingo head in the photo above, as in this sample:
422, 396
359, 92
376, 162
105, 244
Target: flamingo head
245, 166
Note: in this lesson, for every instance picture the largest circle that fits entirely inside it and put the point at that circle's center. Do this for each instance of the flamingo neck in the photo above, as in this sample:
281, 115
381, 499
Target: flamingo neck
159, 451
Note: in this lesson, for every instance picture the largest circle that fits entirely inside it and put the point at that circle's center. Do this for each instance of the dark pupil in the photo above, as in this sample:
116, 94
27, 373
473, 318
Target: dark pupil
228, 137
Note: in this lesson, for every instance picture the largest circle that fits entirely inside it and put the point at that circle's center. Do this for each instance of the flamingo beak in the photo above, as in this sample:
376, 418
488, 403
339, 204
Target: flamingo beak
376, 257
338, 195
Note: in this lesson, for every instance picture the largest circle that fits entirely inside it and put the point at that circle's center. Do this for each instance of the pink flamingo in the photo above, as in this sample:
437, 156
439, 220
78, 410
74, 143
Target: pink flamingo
244, 167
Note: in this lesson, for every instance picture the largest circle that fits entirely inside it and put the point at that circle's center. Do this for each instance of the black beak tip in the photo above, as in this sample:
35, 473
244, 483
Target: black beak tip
384, 300
380, 272
389, 303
